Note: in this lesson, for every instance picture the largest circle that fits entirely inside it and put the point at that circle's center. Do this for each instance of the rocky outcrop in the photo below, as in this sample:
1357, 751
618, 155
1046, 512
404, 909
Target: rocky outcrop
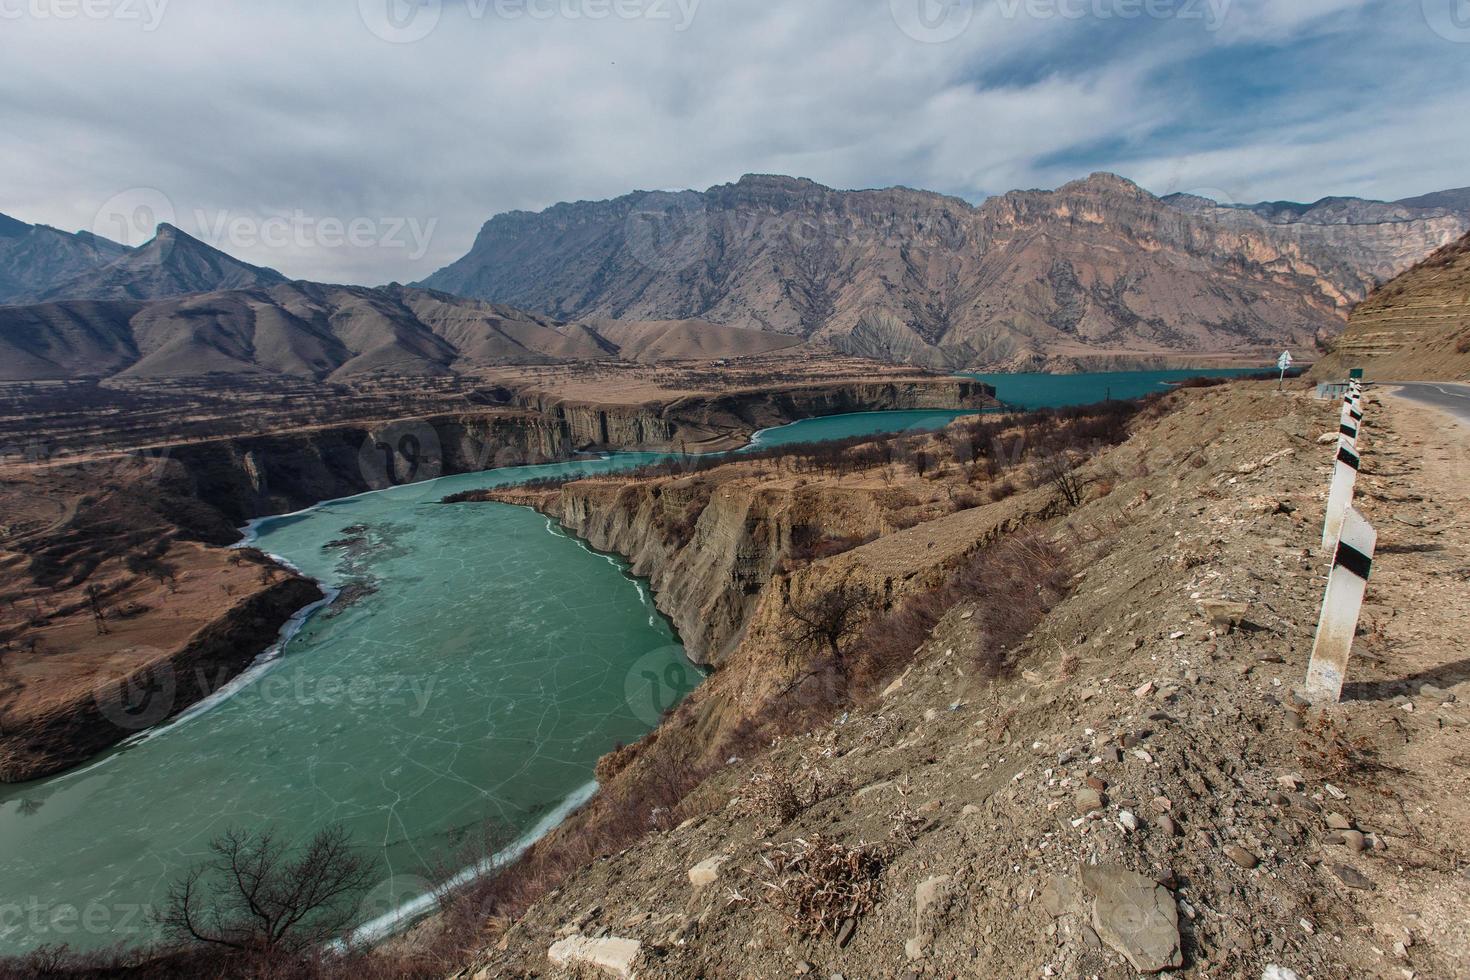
1098, 267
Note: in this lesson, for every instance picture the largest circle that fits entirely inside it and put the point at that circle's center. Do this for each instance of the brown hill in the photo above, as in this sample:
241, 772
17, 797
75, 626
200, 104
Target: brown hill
327, 332
1098, 269
1415, 327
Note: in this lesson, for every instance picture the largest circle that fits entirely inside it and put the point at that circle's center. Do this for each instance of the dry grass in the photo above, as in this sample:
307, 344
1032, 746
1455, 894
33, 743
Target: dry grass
818, 884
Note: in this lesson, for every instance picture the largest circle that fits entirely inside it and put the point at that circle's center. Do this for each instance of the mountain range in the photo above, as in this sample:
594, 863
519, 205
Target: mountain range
310, 330
1098, 271
39, 264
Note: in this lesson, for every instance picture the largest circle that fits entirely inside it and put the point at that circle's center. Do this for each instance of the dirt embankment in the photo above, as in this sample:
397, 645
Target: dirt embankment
1139, 792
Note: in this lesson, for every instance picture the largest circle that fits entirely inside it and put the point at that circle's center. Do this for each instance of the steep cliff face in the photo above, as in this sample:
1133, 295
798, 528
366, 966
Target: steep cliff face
708, 550
1415, 327
1031, 278
252, 477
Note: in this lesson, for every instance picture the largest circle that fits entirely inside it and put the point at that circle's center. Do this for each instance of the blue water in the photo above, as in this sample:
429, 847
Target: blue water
1031, 391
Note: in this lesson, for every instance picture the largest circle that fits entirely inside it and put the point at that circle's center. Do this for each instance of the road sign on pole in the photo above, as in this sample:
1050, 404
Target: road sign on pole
1284, 363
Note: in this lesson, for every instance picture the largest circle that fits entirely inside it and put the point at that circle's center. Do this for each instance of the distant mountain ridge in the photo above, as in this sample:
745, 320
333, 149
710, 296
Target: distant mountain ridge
34, 258
324, 332
39, 264
1096, 272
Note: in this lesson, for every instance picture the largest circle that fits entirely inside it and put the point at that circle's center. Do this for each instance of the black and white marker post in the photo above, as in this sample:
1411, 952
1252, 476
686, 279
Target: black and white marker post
1341, 607
1345, 472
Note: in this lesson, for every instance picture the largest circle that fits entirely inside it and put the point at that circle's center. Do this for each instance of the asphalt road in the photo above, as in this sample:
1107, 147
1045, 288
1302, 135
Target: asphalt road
1445, 395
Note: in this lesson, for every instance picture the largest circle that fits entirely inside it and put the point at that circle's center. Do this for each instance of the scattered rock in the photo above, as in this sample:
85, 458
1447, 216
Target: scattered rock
615, 957
706, 872
1337, 821
845, 931
1224, 614
1135, 916
1167, 825
1279, 972
1242, 857
1088, 800
1351, 877
1354, 841
931, 898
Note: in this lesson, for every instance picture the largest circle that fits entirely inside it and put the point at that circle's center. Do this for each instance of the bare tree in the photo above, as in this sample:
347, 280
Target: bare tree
831, 618
94, 600
254, 896
1060, 471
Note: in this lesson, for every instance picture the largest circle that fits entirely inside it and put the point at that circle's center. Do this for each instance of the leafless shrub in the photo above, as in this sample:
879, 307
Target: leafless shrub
1059, 471
817, 884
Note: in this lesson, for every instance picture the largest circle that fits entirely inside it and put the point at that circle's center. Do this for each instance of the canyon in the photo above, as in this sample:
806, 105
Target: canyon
997, 792
145, 532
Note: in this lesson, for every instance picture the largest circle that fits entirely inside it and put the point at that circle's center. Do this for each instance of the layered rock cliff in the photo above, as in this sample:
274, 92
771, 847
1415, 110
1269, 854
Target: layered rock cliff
1030, 278
1416, 327
252, 477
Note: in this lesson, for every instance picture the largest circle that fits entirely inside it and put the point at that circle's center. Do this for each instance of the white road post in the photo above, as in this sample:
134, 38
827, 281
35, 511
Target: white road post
1340, 499
1341, 606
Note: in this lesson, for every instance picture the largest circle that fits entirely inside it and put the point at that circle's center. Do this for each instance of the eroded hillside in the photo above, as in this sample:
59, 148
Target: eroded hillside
1092, 765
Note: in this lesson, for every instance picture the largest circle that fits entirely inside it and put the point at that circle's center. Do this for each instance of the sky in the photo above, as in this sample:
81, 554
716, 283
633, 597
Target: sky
366, 141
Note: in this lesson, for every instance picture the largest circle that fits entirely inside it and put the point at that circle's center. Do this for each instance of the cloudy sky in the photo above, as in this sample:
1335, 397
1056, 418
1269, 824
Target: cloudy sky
367, 140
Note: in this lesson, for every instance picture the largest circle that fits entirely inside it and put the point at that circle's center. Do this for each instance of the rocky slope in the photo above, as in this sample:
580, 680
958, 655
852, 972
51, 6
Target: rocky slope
1416, 327
328, 333
1137, 793
33, 258
1098, 268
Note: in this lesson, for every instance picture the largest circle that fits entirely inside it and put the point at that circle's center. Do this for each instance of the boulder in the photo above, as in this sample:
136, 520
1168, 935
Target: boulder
615, 957
1135, 916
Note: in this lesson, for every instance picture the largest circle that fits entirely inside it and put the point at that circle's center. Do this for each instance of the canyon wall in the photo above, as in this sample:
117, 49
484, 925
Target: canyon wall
256, 476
